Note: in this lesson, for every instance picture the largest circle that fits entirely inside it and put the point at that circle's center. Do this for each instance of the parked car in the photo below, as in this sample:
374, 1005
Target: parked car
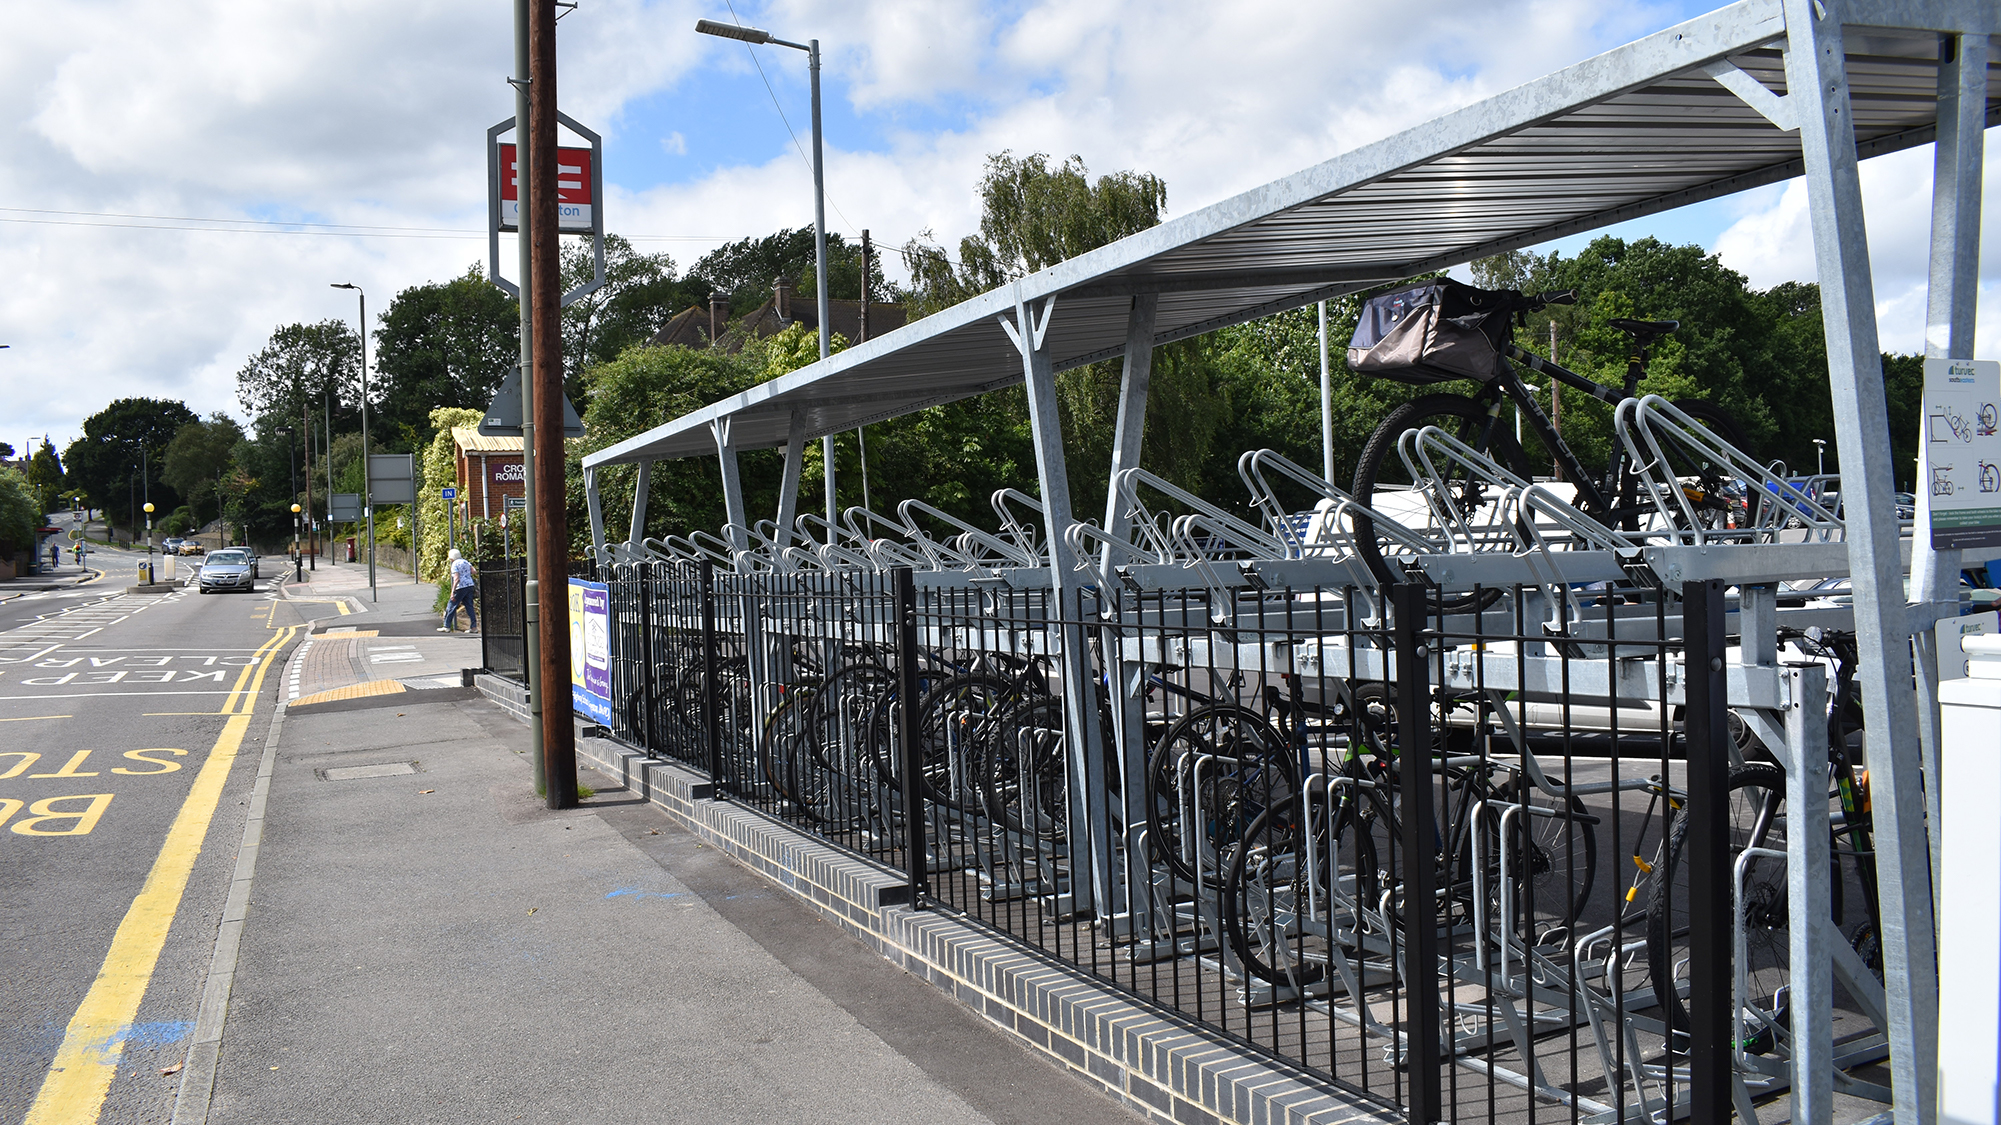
193, 547
171, 545
230, 569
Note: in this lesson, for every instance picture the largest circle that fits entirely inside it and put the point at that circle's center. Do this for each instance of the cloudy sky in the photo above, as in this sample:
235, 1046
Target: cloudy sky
176, 180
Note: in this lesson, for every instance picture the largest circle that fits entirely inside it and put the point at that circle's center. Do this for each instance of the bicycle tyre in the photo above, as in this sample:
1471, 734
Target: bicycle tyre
1265, 774
1756, 819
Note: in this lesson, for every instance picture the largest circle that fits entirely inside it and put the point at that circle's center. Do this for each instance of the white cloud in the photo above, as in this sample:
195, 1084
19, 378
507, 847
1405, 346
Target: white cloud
1773, 242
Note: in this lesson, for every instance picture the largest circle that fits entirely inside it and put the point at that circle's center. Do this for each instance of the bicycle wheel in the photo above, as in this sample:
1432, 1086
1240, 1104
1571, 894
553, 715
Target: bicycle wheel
1552, 857
836, 772
1223, 764
1381, 476
1024, 774
1290, 890
957, 721
1755, 818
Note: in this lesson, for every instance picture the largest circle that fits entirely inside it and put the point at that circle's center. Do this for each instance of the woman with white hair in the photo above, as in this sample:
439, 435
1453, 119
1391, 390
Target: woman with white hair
464, 586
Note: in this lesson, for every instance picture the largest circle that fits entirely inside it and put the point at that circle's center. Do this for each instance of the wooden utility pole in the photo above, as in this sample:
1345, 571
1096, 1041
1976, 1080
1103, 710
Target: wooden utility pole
552, 533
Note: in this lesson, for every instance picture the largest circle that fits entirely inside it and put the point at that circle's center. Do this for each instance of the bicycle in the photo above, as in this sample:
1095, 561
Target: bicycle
1441, 331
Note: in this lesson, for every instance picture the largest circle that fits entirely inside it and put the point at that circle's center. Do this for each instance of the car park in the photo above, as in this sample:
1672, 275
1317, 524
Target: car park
230, 569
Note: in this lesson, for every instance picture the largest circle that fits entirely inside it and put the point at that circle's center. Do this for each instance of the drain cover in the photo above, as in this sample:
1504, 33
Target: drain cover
351, 773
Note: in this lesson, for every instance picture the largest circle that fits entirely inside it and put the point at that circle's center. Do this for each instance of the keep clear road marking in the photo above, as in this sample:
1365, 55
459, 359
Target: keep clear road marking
80, 1075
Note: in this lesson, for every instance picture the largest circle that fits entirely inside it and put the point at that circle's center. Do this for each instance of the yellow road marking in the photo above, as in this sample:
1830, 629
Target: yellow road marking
35, 718
238, 697
351, 691
81, 1073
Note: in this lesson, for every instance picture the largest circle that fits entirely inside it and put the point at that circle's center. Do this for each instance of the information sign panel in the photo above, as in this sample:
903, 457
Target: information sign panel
392, 478
449, 493
1960, 463
590, 650
574, 199
345, 507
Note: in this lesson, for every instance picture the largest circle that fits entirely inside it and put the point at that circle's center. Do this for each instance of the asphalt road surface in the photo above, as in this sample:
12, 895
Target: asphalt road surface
130, 726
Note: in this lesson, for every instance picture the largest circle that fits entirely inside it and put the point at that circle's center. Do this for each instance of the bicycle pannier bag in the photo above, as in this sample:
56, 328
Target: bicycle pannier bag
1431, 332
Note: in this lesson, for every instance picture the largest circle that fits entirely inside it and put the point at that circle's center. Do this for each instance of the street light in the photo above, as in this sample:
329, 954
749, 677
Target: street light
1819, 457
367, 497
759, 37
298, 564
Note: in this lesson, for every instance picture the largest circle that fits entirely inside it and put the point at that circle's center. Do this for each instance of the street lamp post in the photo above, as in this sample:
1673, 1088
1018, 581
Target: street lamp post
755, 36
367, 496
1819, 457
298, 563
150, 576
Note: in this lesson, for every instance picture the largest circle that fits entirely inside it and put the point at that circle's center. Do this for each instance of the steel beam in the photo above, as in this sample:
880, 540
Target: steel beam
1809, 900
1134, 382
1816, 69
642, 489
595, 508
1949, 323
788, 485
733, 510
1090, 845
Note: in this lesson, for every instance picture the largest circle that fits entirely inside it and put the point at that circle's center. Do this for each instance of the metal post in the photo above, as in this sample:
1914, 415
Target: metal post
1134, 383
1424, 1103
313, 531
1949, 323
1326, 403
1085, 741
1809, 900
1816, 68
820, 263
733, 509
712, 723
550, 520
367, 488
788, 485
531, 593
642, 490
914, 817
1709, 863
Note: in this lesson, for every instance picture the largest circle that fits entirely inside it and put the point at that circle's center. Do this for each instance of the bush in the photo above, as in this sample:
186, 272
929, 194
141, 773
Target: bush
18, 515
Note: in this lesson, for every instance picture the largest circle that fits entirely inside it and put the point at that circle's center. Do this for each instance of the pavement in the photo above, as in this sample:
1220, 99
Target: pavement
414, 936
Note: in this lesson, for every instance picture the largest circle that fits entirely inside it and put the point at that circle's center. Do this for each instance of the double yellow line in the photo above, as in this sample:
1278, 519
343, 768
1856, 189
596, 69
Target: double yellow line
80, 1075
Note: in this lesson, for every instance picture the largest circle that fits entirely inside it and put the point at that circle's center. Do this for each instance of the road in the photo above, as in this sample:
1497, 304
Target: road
130, 728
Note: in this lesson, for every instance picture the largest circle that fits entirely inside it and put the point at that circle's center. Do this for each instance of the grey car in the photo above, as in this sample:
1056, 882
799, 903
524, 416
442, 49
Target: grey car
231, 569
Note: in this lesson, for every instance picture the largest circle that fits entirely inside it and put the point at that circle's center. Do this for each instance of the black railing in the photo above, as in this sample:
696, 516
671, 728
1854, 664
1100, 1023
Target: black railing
503, 625
1203, 797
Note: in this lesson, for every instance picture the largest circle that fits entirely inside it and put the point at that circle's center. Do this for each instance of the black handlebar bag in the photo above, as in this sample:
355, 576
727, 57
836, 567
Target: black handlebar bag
1432, 332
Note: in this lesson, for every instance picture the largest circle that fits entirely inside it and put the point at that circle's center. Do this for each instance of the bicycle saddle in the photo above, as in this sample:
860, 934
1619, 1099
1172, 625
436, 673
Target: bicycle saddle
1645, 329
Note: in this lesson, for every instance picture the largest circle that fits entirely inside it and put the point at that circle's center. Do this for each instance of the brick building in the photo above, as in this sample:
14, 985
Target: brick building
489, 468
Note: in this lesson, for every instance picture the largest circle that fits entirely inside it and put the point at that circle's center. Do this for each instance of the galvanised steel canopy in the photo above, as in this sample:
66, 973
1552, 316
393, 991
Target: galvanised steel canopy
1669, 120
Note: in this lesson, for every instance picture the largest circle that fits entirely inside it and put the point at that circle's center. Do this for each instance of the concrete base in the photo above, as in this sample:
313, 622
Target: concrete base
1164, 1068
155, 588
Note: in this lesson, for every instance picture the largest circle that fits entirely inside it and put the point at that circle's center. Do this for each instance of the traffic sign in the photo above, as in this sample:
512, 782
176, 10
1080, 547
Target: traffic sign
503, 417
449, 493
515, 503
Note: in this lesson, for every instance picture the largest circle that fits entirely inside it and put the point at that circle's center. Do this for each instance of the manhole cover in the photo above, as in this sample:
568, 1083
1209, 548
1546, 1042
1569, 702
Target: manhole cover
352, 773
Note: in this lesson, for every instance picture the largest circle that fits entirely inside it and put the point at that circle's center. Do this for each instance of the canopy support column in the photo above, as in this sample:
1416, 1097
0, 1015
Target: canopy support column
1816, 68
1134, 383
1090, 849
737, 533
596, 510
642, 488
1949, 322
788, 487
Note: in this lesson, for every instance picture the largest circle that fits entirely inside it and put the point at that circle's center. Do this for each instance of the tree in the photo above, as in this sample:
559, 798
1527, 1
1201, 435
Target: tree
444, 344
201, 454
18, 518
302, 363
106, 461
639, 295
1032, 216
746, 270
45, 476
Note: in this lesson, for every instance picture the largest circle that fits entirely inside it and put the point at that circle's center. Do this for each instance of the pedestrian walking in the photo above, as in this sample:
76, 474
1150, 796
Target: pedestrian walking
465, 585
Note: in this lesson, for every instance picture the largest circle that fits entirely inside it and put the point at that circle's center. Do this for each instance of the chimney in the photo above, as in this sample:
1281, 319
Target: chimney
781, 293
719, 315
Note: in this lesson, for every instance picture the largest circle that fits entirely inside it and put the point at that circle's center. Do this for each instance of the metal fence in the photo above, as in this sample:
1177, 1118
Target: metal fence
1202, 796
503, 624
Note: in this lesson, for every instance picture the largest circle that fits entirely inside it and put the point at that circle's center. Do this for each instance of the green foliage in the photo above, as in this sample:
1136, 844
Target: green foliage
201, 455
443, 344
640, 294
1031, 216
106, 461
45, 476
301, 364
18, 517
746, 270
437, 469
